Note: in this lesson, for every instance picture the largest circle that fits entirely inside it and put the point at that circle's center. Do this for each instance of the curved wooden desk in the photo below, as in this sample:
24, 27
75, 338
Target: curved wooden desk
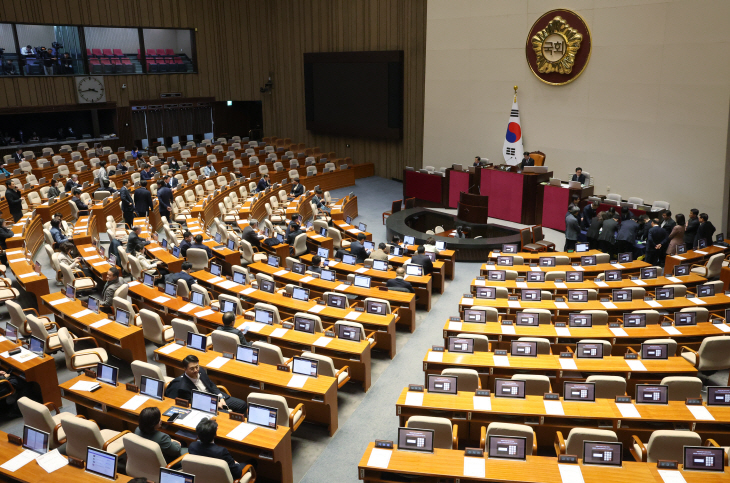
562, 287
591, 270
36, 371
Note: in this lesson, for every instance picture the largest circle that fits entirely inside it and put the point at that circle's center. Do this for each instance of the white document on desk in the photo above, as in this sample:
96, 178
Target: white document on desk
639, 281
571, 474
562, 331
722, 327
553, 408
379, 458
192, 419
252, 326
618, 332
219, 279
297, 380
535, 269
135, 402
228, 284
700, 252
501, 361
482, 283
187, 308
696, 300
508, 329
618, 265
240, 432
678, 257
361, 270
700, 412
455, 325
578, 268
82, 313
653, 303
60, 301
482, 403
609, 305
24, 355
169, 349
154, 249
132, 283
514, 304
561, 305
568, 364
600, 283
322, 341
467, 301
84, 385
671, 476
52, 461
332, 263
353, 315
247, 291
217, 363
521, 284
414, 399
306, 279
204, 313
628, 410
475, 467
90, 249
635, 365
161, 299
280, 273
560, 285
99, 264
93, 257
671, 330
341, 287
317, 309
435, 357
674, 280
29, 274
279, 332
19, 461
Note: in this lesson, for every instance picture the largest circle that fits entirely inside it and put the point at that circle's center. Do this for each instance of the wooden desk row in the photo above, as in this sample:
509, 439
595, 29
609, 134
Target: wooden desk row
693, 256
20, 259
589, 270
40, 372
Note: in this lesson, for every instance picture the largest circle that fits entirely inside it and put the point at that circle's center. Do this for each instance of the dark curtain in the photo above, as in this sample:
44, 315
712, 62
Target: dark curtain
139, 129
155, 124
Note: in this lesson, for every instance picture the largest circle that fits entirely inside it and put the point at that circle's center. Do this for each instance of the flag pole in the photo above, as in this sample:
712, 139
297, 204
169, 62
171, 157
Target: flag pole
515, 94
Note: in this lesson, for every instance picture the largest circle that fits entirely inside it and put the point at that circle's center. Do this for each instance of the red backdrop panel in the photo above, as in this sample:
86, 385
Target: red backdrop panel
505, 196
458, 182
485, 182
423, 186
554, 207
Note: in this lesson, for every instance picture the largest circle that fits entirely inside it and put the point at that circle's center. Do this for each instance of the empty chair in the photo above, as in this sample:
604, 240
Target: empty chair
509, 429
38, 329
613, 197
598, 317
713, 354
671, 345
153, 328
82, 359
608, 387
664, 444
467, 379
181, 327
39, 416
635, 201
660, 205
652, 316
269, 353
285, 416
327, 368
543, 345
481, 342
140, 368
712, 268
681, 387
214, 470
445, 434
606, 345
574, 444
82, 433
535, 384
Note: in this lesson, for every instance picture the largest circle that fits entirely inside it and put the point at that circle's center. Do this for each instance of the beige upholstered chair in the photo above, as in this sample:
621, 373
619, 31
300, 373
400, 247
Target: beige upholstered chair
599, 317
270, 308
467, 379
327, 368
198, 257
214, 470
703, 315
144, 457
76, 278
606, 345
713, 354
82, 433
153, 328
671, 345
509, 429
544, 315
481, 342
140, 368
38, 329
81, 359
543, 345
445, 434
711, 269
652, 316
269, 353
224, 341
356, 325
38, 416
291, 418
124, 304
535, 384
664, 444
608, 387
574, 444
682, 387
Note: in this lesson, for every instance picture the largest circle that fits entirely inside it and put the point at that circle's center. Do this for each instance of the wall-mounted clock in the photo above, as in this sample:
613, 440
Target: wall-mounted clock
90, 89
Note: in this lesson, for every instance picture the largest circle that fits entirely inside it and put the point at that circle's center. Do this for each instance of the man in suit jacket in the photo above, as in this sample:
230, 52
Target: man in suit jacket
142, 199
113, 282
204, 446
164, 196
195, 377
399, 282
667, 222
420, 258
127, 204
263, 183
644, 227
71, 183
297, 189
76, 199
526, 161
199, 244
589, 212
134, 241
654, 241
690, 231
572, 228
186, 243
380, 252
357, 248
172, 181
15, 200
705, 230
579, 176
316, 266
228, 319
209, 170
627, 235
18, 155
294, 229
608, 230
249, 234
183, 274
146, 173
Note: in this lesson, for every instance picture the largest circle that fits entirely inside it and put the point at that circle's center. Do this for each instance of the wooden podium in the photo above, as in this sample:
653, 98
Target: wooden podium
473, 208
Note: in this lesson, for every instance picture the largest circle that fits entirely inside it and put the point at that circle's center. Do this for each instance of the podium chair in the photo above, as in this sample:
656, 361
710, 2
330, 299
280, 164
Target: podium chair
395, 208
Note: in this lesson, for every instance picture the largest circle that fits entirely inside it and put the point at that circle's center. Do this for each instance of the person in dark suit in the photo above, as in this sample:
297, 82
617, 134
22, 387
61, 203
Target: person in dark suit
294, 229
134, 241
263, 183
205, 446
199, 244
71, 183
149, 427
627, 235
399, 282
317, 200
76, 199
589, 211
172, 181
644, 227
594, 230
186, 243
572, 228
195, 377
667, 222
113, 282
357, 248
15, 201
705, 230
608, 230
526, 160
575, 201
690, 231
297, 189
579, 176
477, 161
654, 241
228, 319
164, 196
18, 155
316, 264
142, 199
420, 258
146, 173
249, 233
183, 274
127, 203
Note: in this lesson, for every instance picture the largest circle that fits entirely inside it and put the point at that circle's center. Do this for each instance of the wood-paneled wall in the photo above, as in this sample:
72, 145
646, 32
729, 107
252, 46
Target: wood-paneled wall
238, 43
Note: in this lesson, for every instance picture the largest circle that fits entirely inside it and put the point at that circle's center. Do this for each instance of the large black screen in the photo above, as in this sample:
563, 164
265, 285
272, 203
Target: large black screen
355, 93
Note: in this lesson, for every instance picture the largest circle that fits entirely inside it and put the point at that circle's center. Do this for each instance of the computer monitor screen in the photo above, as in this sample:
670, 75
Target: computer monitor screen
348, 332
113, 258
486, 293
409, 240
397, 251
718, 395
197, 341
348, 220
648, 273
239, 277
121, 316
381, 265
171, 289
685, 318
497, 275
362, 281
527, 319
415, 270
588, 260
612, 275
197, 298
247, 354
106, 373
580, 320
535, 276
507, 447
305, 367
172, 476
579, 391
681, 249
478, 316
720, 238
701, 243
652, 394
349, 259
323, 231
376, 307
215, 269
577, 295
627, 257
654, 351
546, 261
101, 463
323, 253
705, 290
267, 286
36, 345
175, 252
218, 238
164, 243
442, 384
582, 247
634, 320
600, 453
362, 226
337, 300
440, 245
664, 293
521, 348
589, 350
509, 248
431, 256
461, 344
681, 270
704, 458
509, 388
148, 280
273, 261
506, 261
261, 415
298, 268
204, 401
151, 387
70, 292
415, 440
11, 332
622, 295
300, 293
93, 304
303, 324
35, 440
231, 244
531, 295
228, 306
369, 246
574, 276
328, 275
264, 316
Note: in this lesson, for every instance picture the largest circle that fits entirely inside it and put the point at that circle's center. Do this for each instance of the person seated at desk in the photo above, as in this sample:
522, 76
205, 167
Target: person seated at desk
56, 233
18, 156
398, 283
134, 240
430, 245
5, 233
11, 402
228, 319
113, 282
3, 170
186, 243
53, 191
420, 258
123, 166
150, 423
209, 169
316, 264
196, 377
135, 152
146, 173
294, 229
9, 69
183, 274
249, 233
579, 176
357, 248
199, 244
462, 232
380, 252
477, 161
204, 446
263, 183
705, 230
625, 214
83, 208
317, 200
172, 181
296, 189
71, 183
147, 265
173, 165
526, 161
66, 251
65, 228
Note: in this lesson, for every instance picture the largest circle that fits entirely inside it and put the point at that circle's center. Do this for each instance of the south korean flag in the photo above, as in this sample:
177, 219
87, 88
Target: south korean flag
513, 149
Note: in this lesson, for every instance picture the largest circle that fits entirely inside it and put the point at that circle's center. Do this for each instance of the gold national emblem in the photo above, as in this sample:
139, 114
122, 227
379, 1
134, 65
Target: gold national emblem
556, 47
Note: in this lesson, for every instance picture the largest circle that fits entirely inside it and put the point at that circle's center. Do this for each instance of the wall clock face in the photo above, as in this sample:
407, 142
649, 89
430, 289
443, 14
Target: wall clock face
90, 89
